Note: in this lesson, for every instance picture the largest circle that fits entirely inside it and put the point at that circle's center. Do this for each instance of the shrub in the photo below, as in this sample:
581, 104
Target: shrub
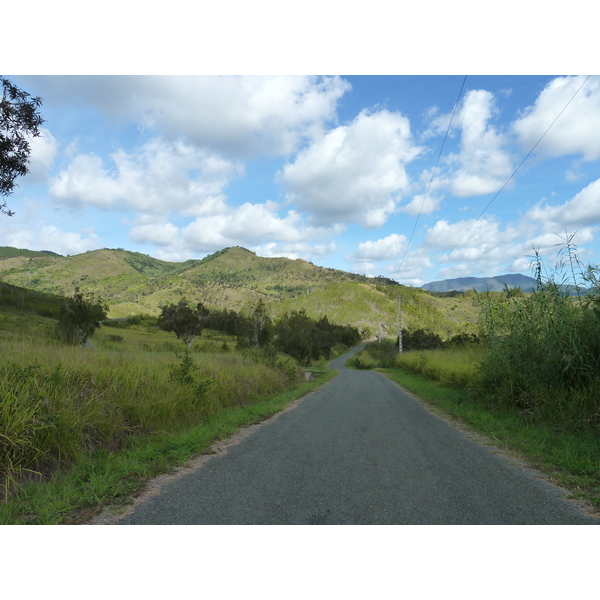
79, 317
420, 339
542, 346
186, 322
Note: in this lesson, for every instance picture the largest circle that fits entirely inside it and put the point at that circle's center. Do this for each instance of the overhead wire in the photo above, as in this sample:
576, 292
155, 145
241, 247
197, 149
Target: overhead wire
433, 172
507, 182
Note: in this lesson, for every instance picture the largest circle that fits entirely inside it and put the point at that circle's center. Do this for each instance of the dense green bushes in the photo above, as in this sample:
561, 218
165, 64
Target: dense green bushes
79, 317
308, 340
543, 352
295, 333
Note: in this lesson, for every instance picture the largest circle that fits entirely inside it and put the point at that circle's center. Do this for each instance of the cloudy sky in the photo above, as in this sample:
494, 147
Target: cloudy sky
416, 178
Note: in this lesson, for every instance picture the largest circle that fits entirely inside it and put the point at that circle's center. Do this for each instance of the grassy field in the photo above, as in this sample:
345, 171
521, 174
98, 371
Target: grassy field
85, 426
106, 478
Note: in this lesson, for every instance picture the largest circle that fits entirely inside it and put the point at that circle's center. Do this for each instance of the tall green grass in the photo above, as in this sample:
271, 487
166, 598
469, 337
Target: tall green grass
60, 404
543, 349
454, 366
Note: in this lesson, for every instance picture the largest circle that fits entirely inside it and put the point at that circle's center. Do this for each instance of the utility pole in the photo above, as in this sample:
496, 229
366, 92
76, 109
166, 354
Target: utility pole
399, 327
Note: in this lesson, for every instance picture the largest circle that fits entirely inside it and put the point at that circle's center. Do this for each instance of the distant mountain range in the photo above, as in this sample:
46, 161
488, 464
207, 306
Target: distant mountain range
483, 284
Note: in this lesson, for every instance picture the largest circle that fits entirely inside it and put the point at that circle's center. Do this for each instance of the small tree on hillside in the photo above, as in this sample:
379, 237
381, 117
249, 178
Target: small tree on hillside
79, 317
186, 322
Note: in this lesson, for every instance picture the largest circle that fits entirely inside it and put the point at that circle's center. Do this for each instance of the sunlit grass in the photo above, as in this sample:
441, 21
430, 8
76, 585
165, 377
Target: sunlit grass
456, 366
61, 403
109, 478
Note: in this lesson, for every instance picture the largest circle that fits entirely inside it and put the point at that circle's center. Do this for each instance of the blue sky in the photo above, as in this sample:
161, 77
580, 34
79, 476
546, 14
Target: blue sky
336, 169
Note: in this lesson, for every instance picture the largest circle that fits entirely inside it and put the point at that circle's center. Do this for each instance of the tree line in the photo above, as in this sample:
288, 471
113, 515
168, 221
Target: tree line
295, 333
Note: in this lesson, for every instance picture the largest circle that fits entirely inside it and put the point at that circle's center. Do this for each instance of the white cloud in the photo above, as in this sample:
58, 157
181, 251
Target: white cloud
577, 130
237, 116
354, 173
437, 123
50, 237
412, 269
383, 249
43, 151
421, 204
305, 251
582, 210
367, 269
483, 164
248, 225
158, 178
159, 234
482, 244
86, 181
472, 236
245, 115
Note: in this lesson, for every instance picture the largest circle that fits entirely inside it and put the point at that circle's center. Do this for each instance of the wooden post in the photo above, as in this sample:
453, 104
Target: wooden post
399, 327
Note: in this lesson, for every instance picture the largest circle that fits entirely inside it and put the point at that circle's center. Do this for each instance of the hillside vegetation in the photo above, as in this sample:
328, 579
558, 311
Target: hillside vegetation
236, 279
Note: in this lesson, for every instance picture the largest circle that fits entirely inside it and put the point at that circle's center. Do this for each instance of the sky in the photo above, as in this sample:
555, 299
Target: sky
413, 177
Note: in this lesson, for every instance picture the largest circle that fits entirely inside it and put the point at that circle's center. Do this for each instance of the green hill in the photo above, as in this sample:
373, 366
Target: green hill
235, 278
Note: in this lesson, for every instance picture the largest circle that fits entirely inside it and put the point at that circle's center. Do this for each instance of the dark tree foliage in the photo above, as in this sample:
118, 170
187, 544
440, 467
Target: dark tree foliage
463, 339
420, 339
308, 340
254, 330
184, 320
19, 122
260, 326
296, 336
79, 317
227, 321
295, 333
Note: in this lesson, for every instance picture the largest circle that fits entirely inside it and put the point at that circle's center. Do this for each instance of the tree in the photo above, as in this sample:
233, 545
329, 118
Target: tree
260, 325
79, 317
420, 339
186, 322
296, 336
19, 122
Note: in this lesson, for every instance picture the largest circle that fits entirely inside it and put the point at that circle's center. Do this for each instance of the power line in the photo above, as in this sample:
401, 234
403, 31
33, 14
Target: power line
507, 181
433, 173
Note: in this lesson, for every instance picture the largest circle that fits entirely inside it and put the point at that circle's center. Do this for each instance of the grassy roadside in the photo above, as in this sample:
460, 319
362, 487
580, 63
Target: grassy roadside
570, 458
112, 478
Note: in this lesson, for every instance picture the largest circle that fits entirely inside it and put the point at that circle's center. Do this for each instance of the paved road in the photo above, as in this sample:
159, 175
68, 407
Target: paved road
358, 451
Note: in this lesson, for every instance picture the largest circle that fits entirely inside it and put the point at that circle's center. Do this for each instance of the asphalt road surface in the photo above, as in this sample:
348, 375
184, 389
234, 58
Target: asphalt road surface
357, 451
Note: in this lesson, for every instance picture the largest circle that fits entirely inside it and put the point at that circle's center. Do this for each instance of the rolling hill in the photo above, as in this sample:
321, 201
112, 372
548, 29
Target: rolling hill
235, 278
